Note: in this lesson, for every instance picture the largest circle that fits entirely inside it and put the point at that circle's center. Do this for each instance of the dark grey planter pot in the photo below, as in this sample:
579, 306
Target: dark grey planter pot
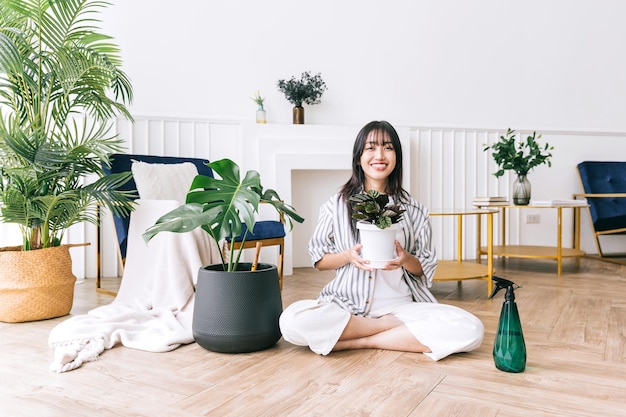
237, 312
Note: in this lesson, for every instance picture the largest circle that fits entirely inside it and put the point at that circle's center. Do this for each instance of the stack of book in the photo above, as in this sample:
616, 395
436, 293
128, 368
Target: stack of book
490, 201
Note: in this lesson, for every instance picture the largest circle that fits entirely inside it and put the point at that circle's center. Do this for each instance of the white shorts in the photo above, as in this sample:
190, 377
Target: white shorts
445, 329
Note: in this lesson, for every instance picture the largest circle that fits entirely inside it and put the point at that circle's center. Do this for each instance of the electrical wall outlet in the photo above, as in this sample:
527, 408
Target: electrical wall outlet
533, 218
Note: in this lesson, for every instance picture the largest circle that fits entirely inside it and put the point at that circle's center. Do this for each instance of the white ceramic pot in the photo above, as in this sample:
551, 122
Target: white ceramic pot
378, 244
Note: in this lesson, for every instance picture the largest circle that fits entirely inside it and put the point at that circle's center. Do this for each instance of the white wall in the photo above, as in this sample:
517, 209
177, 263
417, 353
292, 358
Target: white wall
311, 189
534, 64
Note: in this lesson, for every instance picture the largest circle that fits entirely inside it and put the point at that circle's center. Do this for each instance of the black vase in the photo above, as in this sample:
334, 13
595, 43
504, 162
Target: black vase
237, 312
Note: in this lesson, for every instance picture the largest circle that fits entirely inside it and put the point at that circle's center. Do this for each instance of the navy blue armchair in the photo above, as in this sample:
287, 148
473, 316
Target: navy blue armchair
269, 232
604, 187
123, 163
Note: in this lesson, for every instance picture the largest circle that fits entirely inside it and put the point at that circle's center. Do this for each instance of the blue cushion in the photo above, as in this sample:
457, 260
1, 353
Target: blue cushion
607, 213
123, 162
266, 229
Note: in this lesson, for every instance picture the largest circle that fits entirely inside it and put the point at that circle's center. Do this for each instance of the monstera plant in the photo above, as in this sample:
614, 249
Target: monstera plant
220, 206
222, 322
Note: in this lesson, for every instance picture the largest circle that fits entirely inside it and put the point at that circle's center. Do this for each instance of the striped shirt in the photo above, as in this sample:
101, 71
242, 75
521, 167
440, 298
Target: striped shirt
352, 288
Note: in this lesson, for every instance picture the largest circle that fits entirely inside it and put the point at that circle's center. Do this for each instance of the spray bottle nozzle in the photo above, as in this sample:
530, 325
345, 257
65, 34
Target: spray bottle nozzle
501, 283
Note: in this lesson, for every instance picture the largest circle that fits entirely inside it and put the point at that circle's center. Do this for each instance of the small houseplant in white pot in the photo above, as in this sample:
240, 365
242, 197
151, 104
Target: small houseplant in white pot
520, 157
236, 309
377, 222
261, 116
306, 90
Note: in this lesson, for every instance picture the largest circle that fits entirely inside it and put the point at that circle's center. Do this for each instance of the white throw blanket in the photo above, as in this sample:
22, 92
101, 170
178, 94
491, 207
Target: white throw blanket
154, 306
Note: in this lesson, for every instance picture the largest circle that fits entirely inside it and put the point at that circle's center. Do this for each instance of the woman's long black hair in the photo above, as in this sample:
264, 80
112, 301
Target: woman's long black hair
357, 180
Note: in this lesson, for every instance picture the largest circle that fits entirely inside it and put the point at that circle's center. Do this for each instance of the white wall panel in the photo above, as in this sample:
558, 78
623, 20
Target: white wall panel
444, 168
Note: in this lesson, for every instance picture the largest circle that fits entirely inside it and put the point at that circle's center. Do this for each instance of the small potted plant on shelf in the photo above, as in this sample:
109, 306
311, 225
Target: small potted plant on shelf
520, 157
261, 116
236, 309
306, 90
377, 222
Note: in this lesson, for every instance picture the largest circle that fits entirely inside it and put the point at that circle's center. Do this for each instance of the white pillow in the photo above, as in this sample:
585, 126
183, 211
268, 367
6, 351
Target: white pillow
163, 181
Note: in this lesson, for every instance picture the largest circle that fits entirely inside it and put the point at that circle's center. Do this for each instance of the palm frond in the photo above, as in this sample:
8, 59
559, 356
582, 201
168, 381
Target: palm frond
105, 191
56, 68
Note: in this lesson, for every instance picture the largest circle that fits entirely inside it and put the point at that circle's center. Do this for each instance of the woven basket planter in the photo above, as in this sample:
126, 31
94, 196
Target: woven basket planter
35, 285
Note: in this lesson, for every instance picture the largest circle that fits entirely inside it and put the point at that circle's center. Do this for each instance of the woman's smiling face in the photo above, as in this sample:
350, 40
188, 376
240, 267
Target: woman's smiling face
378, 160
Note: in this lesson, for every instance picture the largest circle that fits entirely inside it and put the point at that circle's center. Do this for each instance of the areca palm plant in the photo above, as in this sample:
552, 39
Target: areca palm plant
60, 86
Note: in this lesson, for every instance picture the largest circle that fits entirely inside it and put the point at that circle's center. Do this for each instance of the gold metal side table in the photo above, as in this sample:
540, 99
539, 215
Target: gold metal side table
459, 269
557, 252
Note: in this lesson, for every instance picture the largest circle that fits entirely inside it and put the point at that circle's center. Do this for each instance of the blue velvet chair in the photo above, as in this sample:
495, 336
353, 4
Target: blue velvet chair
269, 232
604, 187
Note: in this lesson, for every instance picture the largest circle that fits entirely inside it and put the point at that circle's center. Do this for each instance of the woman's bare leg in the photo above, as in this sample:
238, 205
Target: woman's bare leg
397, 337
359, 327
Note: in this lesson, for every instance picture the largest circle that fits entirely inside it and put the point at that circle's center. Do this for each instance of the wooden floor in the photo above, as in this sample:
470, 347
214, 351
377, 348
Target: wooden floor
574, 326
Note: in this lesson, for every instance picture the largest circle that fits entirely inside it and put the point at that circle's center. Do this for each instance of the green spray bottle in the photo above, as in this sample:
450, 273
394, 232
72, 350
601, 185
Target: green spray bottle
509, 349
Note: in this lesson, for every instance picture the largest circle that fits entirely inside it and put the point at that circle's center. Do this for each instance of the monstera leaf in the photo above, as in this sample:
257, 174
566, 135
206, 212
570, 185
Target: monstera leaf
221, 205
